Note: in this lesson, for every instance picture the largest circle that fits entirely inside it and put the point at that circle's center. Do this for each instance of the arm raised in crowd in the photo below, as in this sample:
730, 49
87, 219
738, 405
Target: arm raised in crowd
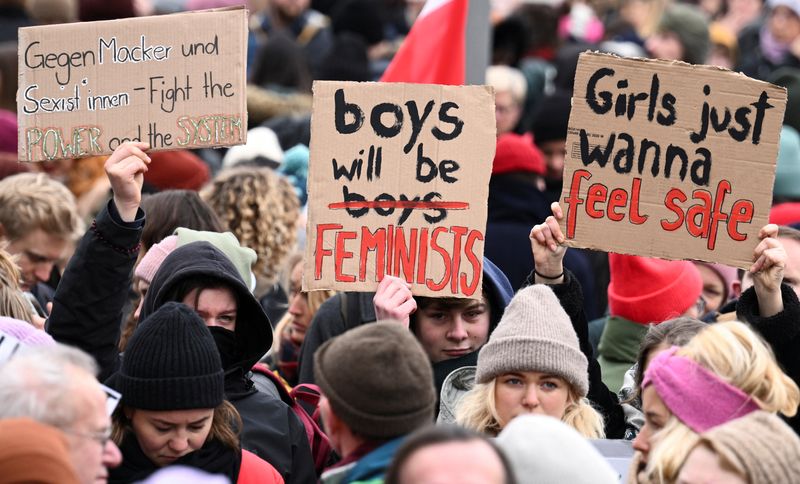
88, 303
771, 306
548, 258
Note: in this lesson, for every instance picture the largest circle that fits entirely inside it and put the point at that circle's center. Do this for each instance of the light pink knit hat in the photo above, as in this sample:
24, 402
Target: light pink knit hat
152, 260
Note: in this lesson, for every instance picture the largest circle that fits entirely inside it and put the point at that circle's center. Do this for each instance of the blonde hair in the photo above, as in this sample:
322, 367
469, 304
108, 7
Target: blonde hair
30, 201
315, 300
738, 356
478, 411
261, 208
508, 79
12, 302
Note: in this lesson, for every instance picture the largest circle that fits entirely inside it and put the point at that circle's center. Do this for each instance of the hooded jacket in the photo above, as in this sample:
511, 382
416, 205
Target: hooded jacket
271, 430
345, 311
253, 335
87, 311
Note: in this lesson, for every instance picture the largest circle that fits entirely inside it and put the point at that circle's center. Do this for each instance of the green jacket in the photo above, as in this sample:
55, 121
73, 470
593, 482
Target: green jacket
618, 348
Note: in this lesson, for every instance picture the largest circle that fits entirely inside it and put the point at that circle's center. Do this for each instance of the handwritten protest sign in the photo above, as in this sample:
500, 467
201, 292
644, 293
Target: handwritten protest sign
669, 160
398, 182
173, 81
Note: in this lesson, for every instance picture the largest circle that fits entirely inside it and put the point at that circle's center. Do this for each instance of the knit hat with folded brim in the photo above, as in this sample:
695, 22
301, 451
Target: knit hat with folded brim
761, 443
647, 290
171, 363
534, 334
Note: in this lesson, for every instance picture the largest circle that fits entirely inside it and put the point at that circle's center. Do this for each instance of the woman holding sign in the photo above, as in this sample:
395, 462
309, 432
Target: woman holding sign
534, 361
92, 293
566, 366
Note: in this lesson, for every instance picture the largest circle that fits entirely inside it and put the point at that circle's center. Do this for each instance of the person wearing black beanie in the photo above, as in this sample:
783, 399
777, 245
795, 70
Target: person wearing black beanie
93, 292
173, 408
549, 129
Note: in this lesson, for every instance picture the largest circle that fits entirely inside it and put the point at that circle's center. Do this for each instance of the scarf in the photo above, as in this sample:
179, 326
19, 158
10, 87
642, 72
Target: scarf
214, 457
773, 50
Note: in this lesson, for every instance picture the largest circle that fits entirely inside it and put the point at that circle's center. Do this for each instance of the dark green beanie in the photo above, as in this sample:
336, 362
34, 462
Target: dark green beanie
691, 27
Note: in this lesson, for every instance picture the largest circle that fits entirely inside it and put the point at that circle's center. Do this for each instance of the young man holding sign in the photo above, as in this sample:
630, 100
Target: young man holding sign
398, 183
451, 330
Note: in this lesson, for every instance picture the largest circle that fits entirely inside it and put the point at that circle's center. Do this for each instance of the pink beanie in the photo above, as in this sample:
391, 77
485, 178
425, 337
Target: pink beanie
726, 273
152, 260
25, 332
648, 290
699, 398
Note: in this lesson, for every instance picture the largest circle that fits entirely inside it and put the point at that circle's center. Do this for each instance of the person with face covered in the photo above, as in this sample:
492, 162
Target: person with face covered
173, 409
89, 301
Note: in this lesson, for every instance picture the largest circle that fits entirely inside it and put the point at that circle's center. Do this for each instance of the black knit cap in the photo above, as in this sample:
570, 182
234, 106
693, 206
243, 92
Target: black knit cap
171, 363
551, 117
377, 379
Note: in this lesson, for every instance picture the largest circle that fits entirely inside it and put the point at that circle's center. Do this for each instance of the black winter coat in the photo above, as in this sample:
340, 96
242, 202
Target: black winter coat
781, 331
87, 311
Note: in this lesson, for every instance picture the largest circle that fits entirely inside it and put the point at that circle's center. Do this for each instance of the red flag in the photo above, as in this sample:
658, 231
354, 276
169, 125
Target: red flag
434, 52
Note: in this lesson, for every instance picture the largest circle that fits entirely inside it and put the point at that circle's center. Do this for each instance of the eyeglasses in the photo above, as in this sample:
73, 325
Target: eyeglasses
101, 437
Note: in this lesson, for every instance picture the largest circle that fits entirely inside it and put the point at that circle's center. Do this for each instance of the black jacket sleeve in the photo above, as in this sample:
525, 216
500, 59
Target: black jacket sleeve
87, 307
326, 323
781, 331
571, 298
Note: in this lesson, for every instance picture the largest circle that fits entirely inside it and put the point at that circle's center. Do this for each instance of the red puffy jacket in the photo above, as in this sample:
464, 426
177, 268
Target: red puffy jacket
256, 471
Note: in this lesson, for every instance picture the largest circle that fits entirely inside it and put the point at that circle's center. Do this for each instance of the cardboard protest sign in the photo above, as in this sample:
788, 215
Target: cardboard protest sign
173, 81
398, 183
669, 160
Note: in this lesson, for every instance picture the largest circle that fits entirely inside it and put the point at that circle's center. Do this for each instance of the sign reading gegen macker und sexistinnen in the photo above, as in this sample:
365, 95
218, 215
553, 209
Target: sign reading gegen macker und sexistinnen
398, 184
173, 81
669, 160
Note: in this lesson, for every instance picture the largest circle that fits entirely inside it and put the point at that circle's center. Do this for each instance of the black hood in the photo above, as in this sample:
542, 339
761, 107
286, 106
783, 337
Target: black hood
253, 333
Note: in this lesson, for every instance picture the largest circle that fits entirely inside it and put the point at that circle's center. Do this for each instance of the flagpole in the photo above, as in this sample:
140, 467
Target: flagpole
478, 41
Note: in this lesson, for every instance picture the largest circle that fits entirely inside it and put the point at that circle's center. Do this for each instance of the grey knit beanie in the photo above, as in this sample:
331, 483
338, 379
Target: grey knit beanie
691, 27
377, 379
761, 443
534, 334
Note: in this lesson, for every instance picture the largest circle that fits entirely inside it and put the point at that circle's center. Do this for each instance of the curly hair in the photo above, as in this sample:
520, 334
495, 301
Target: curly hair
261, 208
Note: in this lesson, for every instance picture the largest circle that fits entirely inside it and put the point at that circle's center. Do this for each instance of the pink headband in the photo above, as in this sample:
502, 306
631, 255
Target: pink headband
698, 397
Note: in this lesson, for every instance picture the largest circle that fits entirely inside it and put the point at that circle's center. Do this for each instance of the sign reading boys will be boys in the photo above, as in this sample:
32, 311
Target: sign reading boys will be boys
398, 183
173, 81
669, 160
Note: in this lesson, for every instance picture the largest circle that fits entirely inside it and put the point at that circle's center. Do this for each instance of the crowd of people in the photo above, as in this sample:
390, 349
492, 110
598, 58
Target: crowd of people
164, 335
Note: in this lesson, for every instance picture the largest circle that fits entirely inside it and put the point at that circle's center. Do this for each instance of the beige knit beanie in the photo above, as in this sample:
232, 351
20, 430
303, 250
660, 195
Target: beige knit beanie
761, 443
534, 334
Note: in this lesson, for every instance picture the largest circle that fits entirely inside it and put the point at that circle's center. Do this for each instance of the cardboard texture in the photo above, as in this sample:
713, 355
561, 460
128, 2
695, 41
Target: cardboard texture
398, 183
173, 81
669, 160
